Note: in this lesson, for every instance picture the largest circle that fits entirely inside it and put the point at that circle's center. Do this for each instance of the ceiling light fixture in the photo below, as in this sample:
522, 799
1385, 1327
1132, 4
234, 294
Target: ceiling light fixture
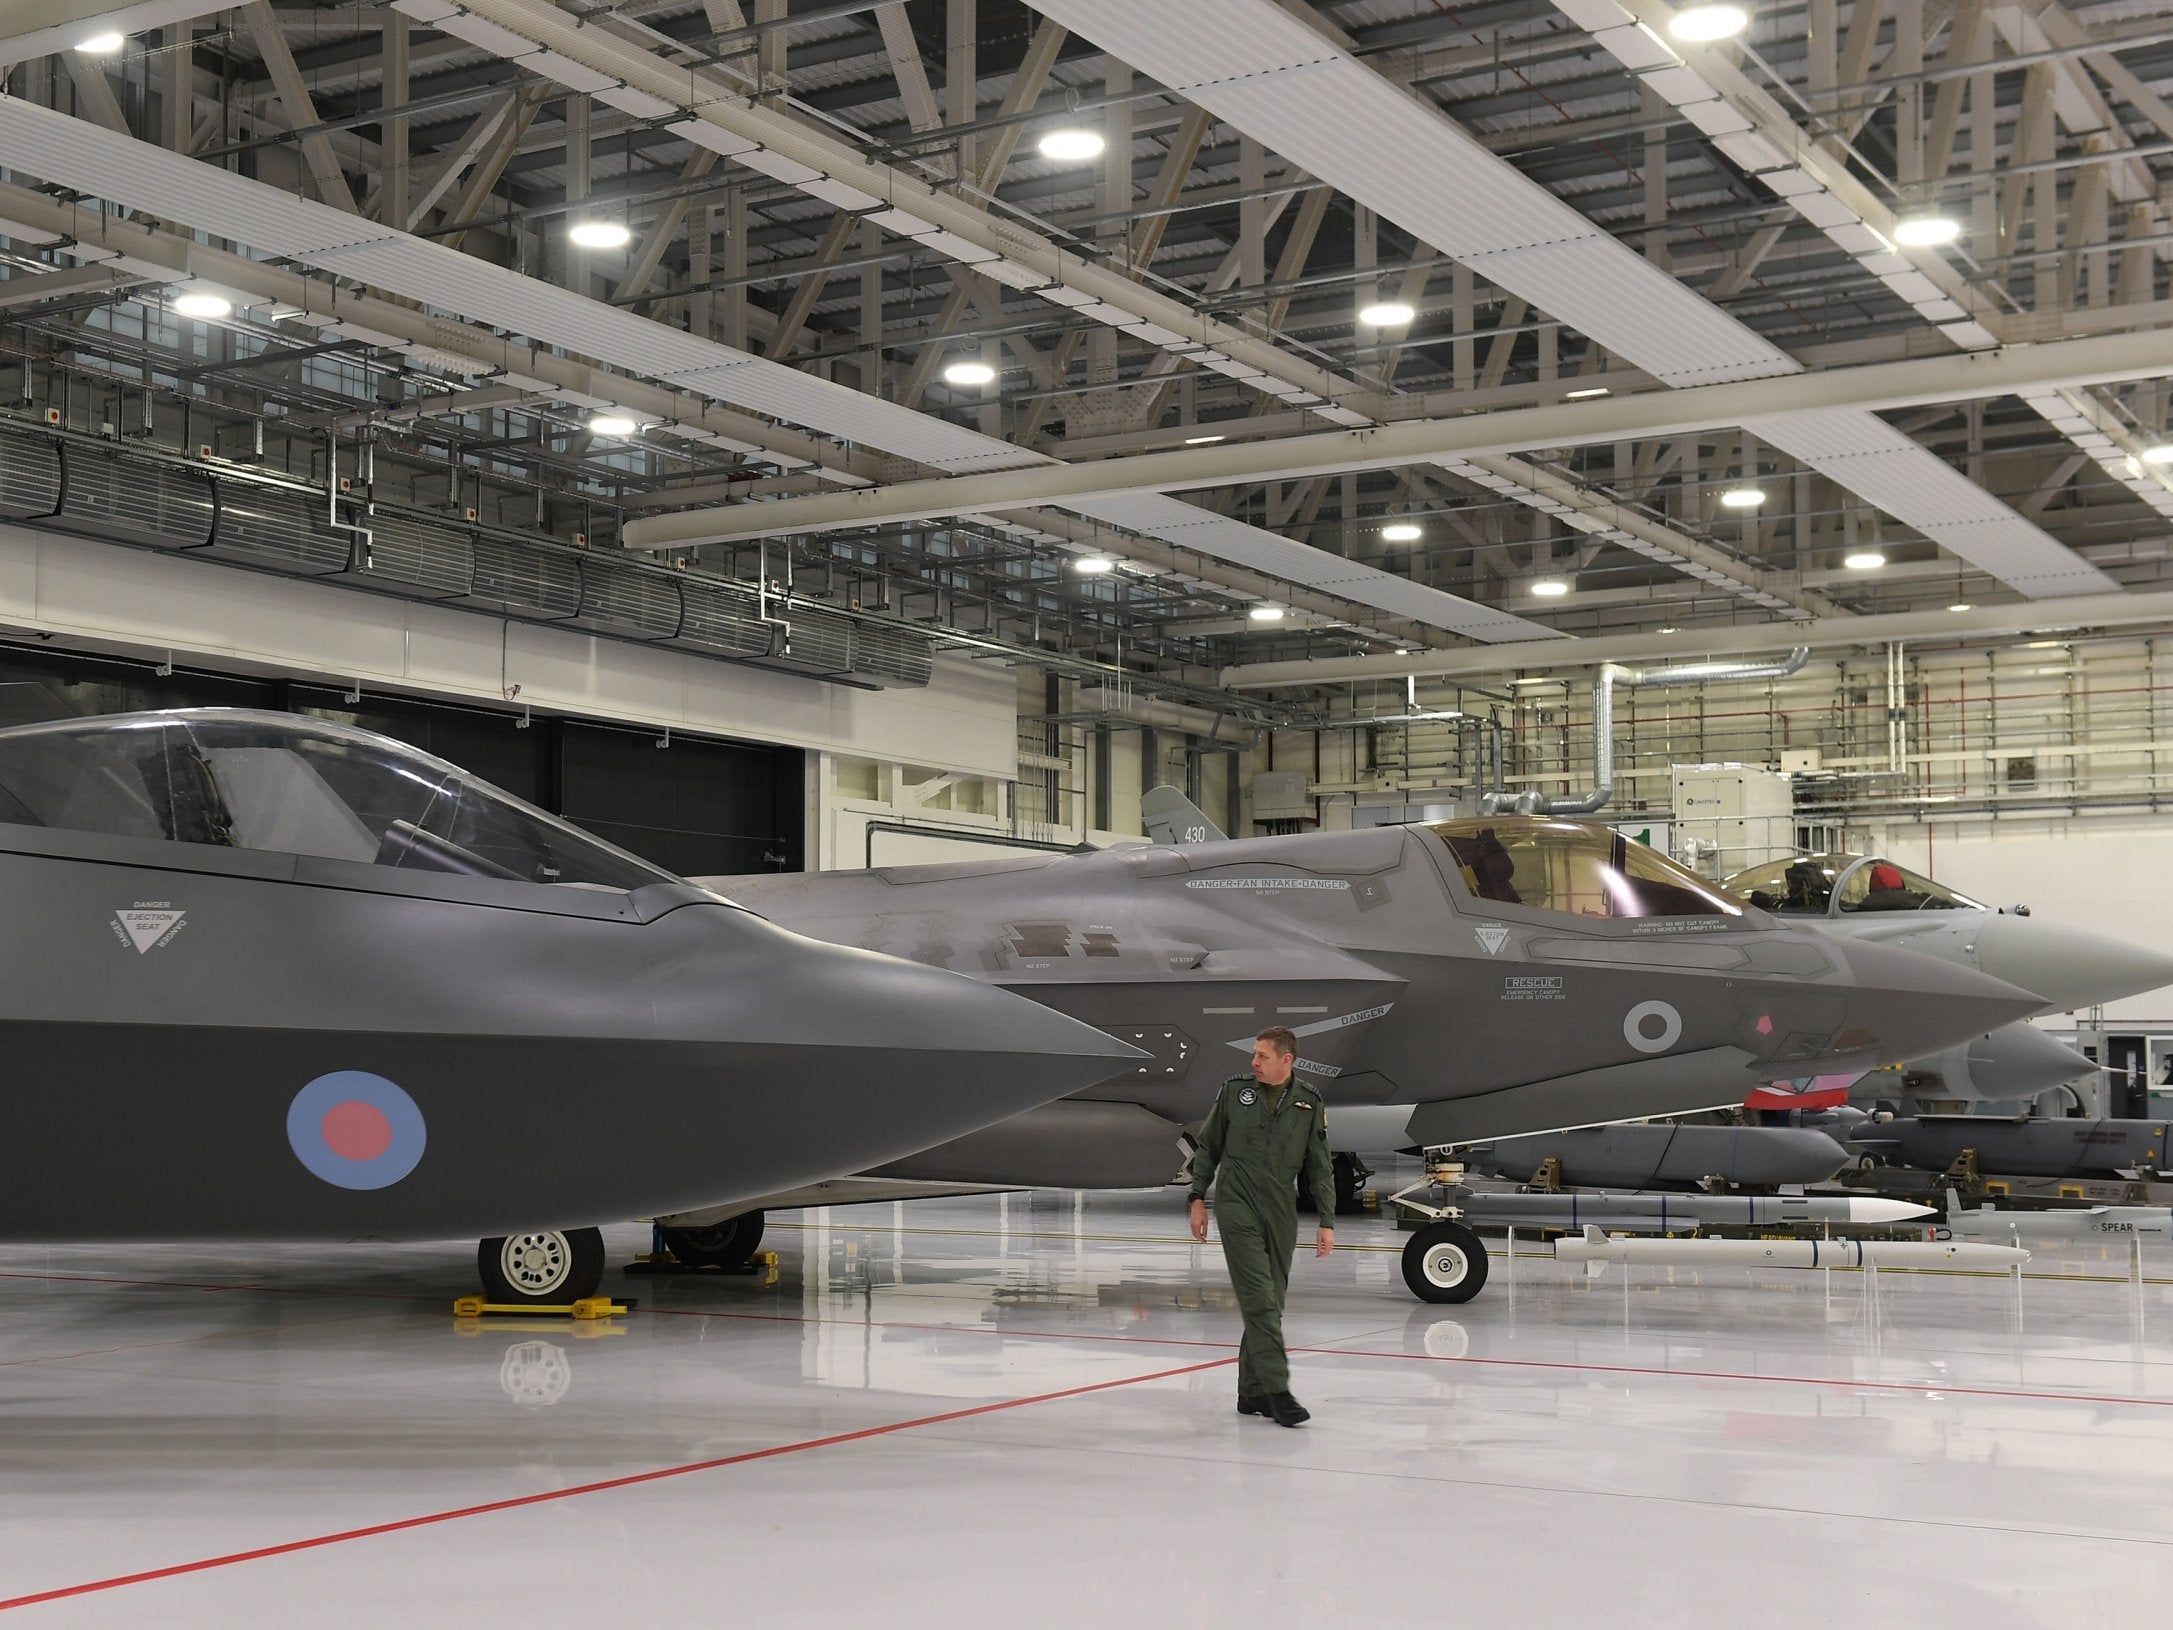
1926, 231
1961, 605
1588, 393
2158, 453
1551, 588
102, 44
202, 305
1266, 614
1742, 497
1203, 441
613, 424
1386, 314
1864, 560
599, 234
1668, 628
1071, 146
1093, 565
1402, 532
1700, 24
969, 373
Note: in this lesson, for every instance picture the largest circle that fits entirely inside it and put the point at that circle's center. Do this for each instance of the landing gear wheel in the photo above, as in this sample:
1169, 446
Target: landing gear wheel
550, 1267
1444, 1262
727, 1244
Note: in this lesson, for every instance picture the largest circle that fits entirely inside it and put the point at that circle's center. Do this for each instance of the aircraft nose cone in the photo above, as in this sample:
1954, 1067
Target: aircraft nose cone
987, 1047
2068, 967
2019, 1061
1906, 1005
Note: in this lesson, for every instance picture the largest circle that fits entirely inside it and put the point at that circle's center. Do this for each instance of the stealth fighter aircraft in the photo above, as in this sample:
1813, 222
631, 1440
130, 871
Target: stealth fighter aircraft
274, 978
1502, 975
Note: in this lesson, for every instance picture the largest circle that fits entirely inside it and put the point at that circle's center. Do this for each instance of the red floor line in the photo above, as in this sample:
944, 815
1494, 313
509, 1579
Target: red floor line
1844, 1382
631, 1480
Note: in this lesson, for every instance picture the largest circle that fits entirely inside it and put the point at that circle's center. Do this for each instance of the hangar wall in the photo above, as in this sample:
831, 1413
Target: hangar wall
101, 597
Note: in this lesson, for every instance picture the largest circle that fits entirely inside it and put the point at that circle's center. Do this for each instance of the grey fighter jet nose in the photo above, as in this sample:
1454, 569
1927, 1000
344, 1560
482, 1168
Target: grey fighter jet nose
1906, 1005
2068, 967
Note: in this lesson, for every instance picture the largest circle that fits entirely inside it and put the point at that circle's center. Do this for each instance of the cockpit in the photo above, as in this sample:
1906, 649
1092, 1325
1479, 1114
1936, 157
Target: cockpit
1575, 870
286, 784
1827, 885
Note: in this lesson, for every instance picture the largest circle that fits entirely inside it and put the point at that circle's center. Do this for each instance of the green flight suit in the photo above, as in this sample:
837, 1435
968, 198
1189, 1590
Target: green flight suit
1258, 1139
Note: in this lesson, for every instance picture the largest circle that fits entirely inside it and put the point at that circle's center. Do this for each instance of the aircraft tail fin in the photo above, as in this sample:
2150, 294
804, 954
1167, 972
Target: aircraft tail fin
1172, 818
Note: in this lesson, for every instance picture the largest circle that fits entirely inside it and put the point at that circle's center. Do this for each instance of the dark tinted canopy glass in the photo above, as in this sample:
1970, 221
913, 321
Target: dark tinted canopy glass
1576, 870
291, 785
1820, 884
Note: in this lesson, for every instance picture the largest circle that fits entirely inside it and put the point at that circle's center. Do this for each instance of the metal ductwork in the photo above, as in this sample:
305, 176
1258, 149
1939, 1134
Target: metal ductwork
1603, 727
94, 489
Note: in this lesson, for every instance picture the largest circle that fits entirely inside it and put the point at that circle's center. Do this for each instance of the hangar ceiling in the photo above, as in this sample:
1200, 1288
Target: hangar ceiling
835, 261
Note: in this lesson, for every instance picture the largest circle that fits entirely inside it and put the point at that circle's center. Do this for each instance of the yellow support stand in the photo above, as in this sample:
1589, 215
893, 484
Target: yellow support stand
589, 1307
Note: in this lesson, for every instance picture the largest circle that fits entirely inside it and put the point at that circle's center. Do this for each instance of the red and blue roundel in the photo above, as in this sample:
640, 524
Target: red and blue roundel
355, 1130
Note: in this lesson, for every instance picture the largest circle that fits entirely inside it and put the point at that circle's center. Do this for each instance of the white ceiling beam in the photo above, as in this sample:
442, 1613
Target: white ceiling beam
1913, 382
2032, 617
38, 28
1291, 81
713, 111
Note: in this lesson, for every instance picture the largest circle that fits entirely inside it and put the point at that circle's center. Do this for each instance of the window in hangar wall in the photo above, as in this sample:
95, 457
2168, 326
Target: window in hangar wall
698, 807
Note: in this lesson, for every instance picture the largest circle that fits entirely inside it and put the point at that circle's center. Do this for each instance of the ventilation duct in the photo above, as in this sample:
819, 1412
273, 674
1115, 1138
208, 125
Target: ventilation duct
1291, 85
112, 166
29, 477
724, 622
618, 597
524, 582
278, 528
151, 500
103, 495
426, 560
1603, 727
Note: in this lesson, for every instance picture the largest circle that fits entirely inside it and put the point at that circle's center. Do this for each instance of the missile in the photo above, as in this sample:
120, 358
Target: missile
1595, 1250
1679, 1213
2080, 1222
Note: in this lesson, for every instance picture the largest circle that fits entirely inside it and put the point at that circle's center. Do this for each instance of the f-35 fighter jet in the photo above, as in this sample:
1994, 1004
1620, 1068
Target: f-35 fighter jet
270, 978
1504, 975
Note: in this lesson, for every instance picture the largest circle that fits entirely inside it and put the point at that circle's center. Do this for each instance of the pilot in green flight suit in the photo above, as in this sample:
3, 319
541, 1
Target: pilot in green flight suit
1264, 1130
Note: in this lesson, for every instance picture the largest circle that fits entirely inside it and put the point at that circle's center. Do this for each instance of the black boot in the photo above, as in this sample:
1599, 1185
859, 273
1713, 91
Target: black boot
1247, 1405
1287, 1410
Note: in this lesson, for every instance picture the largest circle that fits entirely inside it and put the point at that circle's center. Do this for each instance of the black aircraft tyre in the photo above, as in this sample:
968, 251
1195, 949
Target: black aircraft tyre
1444, 1262
728, 1244
549, 1267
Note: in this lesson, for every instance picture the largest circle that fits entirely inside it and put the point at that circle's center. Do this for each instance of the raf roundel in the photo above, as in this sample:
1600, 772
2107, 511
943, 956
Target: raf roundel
355, 1130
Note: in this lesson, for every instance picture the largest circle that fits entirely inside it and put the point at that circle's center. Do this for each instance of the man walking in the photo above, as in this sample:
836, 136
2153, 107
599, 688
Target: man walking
1264, 1130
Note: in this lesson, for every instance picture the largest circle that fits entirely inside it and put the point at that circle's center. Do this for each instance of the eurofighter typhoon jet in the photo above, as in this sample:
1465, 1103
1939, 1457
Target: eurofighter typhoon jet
1502, 975
1869, 899
270, 978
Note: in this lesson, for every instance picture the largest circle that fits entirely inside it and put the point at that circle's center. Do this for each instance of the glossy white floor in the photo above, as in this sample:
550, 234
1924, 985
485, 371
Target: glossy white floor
1023, 1407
